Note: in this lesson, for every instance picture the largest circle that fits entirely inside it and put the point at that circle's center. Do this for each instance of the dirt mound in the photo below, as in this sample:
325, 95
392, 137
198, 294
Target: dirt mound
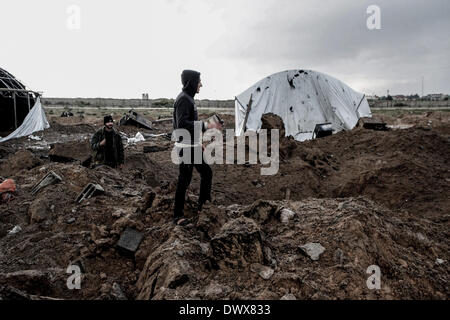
70, 152
251, 260
70, 128
287, 144
21, 160
337, 206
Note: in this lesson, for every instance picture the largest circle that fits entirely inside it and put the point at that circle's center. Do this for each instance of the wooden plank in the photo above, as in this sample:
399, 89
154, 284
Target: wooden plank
249, 108
15, 110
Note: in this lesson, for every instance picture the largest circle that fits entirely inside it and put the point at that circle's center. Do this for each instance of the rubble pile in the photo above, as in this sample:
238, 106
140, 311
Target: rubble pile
338, 206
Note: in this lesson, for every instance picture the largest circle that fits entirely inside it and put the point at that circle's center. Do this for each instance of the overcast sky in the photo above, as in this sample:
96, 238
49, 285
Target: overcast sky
125, 48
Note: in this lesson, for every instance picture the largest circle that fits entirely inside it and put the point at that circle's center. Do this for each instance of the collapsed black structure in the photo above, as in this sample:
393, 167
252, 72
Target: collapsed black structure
15, 102
135, 119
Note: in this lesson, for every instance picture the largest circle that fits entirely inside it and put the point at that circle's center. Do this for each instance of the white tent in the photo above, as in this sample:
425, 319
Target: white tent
303, 99
34, 121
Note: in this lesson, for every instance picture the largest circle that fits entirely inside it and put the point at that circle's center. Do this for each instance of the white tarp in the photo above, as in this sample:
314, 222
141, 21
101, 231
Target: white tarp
303, 99
34, 121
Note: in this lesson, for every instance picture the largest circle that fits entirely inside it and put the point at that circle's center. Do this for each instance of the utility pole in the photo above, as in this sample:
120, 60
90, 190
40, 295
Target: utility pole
387, 99
422, 85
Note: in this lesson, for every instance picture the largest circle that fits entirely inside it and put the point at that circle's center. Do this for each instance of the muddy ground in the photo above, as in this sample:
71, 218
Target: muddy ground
367, 197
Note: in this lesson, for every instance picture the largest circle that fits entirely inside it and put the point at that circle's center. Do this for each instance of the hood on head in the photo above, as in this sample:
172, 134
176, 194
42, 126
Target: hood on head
190, 80
107, 118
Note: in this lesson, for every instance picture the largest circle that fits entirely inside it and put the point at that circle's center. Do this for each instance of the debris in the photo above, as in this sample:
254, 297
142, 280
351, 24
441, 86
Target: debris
138, 138
49, 179
322, 130
266, 273
22, 159
128, 192
372, 124
38, 211
288, 296
91, 190
288, 194
71, 220
339, 257
214, 119
439, 261
135, 119
312, 250
154, 148
7, 188
130, 241
166, 136
36, 138
7, 197
70, 152
163, 120
238, 243
286, 215
117, 293
15, 230
66, 114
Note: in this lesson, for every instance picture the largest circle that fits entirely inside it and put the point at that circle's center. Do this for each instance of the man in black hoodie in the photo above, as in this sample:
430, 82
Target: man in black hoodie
185, 116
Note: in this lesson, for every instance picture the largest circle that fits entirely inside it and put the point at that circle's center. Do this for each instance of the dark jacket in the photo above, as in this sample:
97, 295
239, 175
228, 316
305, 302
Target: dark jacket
99, 151
185, 113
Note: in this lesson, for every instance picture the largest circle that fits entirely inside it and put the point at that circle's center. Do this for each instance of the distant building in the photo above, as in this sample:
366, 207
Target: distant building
399, 97
145, 96
436, 97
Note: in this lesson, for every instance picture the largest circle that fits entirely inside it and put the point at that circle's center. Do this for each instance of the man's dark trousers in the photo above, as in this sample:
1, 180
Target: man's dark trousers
184, 180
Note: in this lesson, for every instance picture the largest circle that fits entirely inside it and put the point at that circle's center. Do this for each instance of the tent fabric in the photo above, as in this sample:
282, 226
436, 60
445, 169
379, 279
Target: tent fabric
34, 121
303, 99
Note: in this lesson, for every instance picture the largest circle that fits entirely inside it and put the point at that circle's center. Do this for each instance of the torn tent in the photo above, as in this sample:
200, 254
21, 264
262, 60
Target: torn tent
303, 99
33, 122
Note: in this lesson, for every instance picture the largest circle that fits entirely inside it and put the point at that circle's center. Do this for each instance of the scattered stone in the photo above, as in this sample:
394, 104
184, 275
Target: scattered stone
71, 220
403, 263
312, 250
178, 274
70, 152
213, 290
439, 261
238, 243
130, 241
288, 296
117, 293
15, 230
180, 253
38, 210
339, 257
286, 215
103, 276
206, 249
118, 213
154, 148
265, 272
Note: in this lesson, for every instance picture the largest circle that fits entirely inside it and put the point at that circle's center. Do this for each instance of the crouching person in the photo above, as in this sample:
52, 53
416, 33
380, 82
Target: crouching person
107, 146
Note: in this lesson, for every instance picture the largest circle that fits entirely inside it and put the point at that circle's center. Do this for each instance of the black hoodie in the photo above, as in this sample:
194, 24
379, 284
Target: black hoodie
185, 112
